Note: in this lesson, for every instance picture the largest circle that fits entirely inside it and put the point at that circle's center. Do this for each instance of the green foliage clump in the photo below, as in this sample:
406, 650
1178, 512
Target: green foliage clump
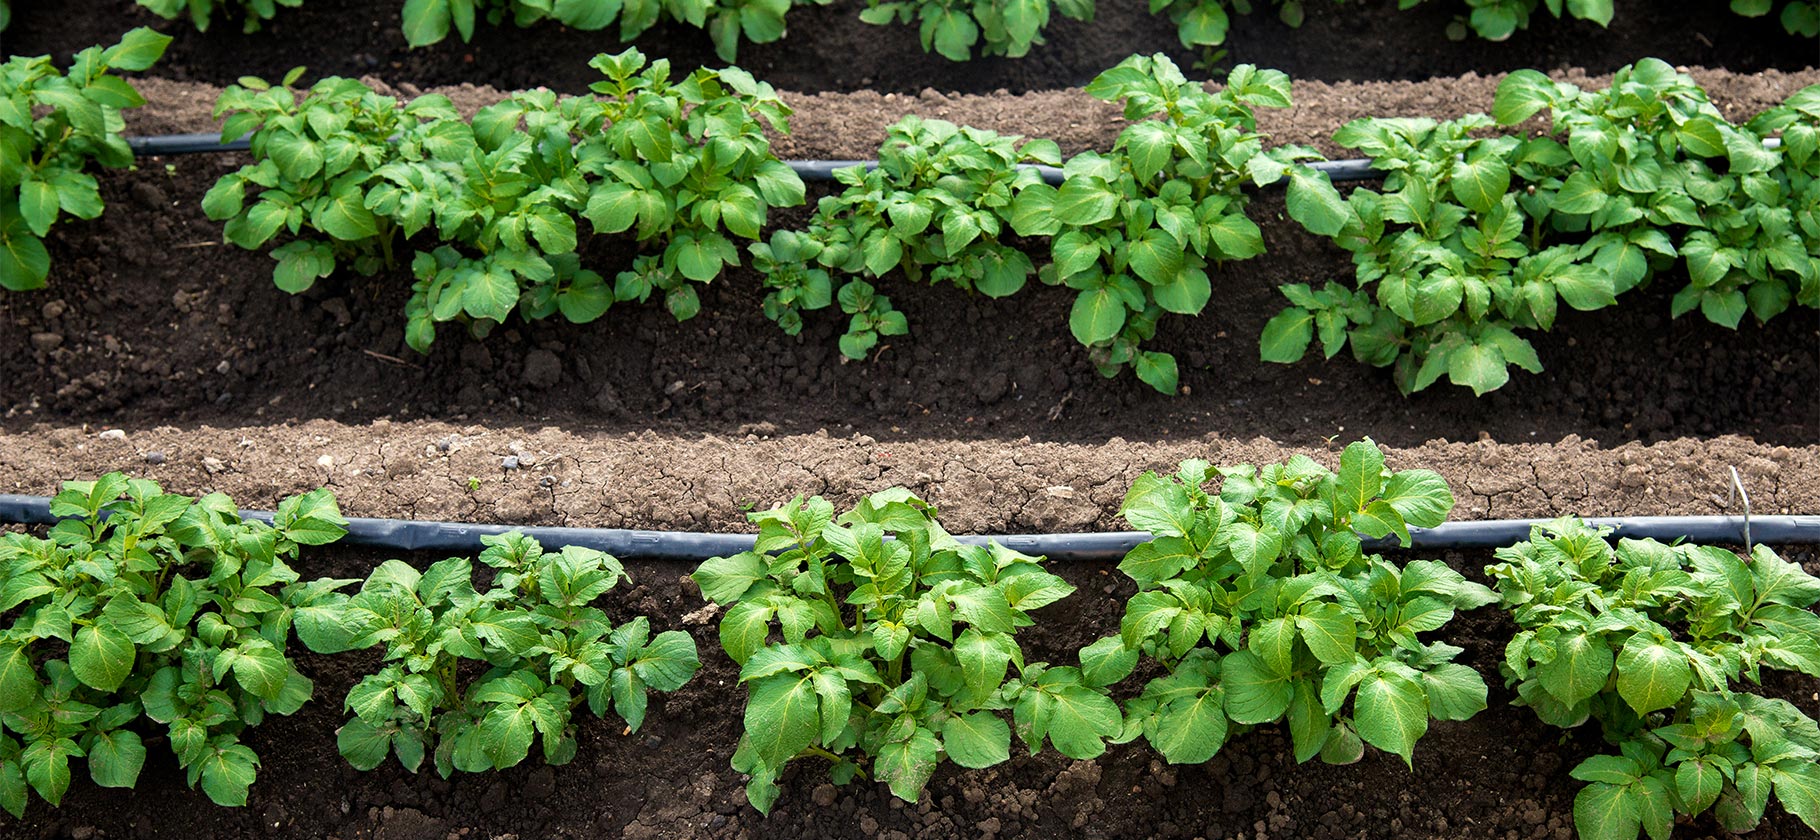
148, 605
1654, 642
880, 634
545, 650
760, 21
954, 27
1474, 239
937, 206
1260, 605
252, 13
1133, 231
681, 166
53, 126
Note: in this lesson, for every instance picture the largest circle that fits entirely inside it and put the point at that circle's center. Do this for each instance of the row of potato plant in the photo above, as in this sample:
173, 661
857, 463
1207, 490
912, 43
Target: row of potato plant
1132, 232
497, 203
1475, 237
1471, 240
956, 29
875, 641
54, 126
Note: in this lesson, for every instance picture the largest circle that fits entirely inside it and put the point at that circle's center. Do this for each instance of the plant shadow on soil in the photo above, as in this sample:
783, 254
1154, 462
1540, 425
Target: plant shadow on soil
1501, 774
829, 49
150, 319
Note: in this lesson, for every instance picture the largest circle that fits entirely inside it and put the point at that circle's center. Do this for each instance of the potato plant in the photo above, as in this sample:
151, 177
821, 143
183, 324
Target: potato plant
1655, 642
1260, 605
759, 21
147, 605
1474, 238
53, 127
878, 643
545, 647
1134, 231
954, 27
499, 201
252, 13
937, 206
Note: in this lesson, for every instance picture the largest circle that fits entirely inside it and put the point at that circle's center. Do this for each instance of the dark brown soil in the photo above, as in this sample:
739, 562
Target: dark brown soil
830, 49
1500, 775
148, 318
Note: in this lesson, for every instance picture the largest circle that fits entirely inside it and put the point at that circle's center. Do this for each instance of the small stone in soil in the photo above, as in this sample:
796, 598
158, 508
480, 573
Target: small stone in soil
114, 434
509, 462
154, 457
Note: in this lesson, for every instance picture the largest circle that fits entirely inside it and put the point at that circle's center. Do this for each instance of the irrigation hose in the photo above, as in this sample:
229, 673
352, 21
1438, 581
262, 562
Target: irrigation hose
808, 170
464, 538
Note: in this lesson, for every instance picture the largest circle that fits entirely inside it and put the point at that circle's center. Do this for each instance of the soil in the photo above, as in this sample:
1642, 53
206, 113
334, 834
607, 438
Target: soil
210, 339
159, 351
830, 49
564, 476
1499, 775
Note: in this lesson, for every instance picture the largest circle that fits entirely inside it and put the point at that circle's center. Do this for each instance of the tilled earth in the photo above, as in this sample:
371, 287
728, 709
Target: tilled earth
158, 351
1498, 776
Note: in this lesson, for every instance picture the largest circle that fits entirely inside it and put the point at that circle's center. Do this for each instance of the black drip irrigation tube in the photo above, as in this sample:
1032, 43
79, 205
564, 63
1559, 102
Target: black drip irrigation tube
808, 170
464, 538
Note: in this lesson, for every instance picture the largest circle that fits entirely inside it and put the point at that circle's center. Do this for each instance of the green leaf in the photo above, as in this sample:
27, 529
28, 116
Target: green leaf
743, 630
1607, 812
226, 774
102, 657
1254, 694
1159, 505
1521, 95
1391, 714
1699, 783
38, 204
1314, 202
1455, 692
977, 739
1481, 183
667, 662
1421, 497
782, 717
1286, 336
1480, 367
907, 766
1798, 788
19, 684
261, 669
1581, 665
1651, 675
1098, 315
364, 745
1190, 730
1330, 633
1309, 723
490, 293
425, 21
138, 50
725, 580
1082, 202
24, 261
1079, 718
1158, 370
115, 758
